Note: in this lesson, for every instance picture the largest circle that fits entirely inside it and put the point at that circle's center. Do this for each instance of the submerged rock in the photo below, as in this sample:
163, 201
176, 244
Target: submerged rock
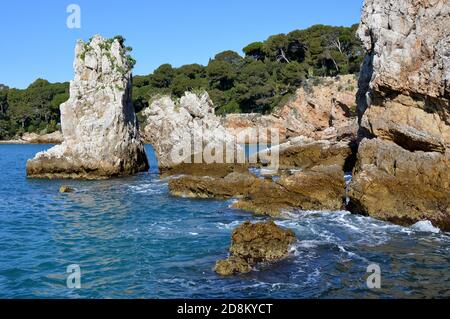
100, 129
66, 189
403, 173
255, 243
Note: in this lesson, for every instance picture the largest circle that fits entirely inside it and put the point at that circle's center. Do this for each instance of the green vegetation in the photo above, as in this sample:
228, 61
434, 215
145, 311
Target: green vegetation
35, 109
264, 78
267, 74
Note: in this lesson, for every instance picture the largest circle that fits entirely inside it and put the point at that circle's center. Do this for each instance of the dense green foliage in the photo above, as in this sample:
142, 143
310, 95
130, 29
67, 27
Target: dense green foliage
267, 74
35, 109
265, 77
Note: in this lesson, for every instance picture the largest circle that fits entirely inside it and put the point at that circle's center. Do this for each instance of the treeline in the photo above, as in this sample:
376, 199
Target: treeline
35, 109
263, 78
267, 74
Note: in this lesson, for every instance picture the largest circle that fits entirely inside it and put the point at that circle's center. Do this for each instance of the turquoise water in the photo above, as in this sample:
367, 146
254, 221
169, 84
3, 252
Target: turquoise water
133, 240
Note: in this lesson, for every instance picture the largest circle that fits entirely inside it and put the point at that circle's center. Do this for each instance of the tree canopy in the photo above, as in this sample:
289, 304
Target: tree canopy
267, 73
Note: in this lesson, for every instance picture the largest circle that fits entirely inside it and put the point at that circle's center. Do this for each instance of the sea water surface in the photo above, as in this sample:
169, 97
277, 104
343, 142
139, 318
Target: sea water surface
131, 239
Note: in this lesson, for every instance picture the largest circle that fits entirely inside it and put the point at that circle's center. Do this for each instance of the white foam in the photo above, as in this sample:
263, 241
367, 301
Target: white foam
425, 226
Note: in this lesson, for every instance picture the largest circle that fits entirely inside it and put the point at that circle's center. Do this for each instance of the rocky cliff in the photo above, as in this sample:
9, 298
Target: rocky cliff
403, 168
101, 134
323, 108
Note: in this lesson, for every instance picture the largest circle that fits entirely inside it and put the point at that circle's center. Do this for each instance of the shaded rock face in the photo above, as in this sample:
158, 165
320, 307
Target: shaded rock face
180, 131
402, 173
255, 243
322, 110
101, 134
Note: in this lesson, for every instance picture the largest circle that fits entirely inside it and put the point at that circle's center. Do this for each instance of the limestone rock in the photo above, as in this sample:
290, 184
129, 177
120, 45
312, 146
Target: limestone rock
255, 243
402, 173
319, 188
51, 138
408, 43
400, 186
183, 129
101, 134
304, 153
234, 185
323, 108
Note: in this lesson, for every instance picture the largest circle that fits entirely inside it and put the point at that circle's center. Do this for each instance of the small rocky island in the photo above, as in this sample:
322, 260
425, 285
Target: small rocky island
253, 244
99, 125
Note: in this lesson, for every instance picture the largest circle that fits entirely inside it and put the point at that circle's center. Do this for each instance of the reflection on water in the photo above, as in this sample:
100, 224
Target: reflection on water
132, 240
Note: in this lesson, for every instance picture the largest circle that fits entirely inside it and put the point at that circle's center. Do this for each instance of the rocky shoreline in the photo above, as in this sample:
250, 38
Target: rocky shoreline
397, 147
34, 138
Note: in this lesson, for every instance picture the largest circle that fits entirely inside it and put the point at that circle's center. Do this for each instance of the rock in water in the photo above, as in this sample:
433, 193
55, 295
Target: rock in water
255, 243
99, 125
66, 189
184, 129
402, 174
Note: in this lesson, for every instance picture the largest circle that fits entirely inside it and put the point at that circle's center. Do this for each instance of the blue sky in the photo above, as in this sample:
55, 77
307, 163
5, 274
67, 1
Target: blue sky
37, 43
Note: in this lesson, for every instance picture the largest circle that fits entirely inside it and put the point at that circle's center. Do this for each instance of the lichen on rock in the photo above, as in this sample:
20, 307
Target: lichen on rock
99, 125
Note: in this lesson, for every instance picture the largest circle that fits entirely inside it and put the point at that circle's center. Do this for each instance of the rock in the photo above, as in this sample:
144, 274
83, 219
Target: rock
254, 128
324, 108
402, 173
100, 129
51, 138
232, 265
196, 169
319, 188
400, 186
255, 243
66, 189
304, 153
234, 185
407, 125
184, 132
408, 45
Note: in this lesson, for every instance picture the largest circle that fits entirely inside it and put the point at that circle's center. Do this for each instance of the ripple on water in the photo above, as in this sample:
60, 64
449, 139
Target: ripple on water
132, 240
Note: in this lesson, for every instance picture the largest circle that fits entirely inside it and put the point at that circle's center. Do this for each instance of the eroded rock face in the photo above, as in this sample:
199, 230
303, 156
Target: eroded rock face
255, 243
318, 188
322, 110
400, 186
233, 185
183, 129
101, 134
304, 153
402, 174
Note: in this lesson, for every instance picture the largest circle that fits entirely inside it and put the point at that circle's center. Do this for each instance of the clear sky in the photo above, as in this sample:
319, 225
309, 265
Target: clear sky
36, 41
